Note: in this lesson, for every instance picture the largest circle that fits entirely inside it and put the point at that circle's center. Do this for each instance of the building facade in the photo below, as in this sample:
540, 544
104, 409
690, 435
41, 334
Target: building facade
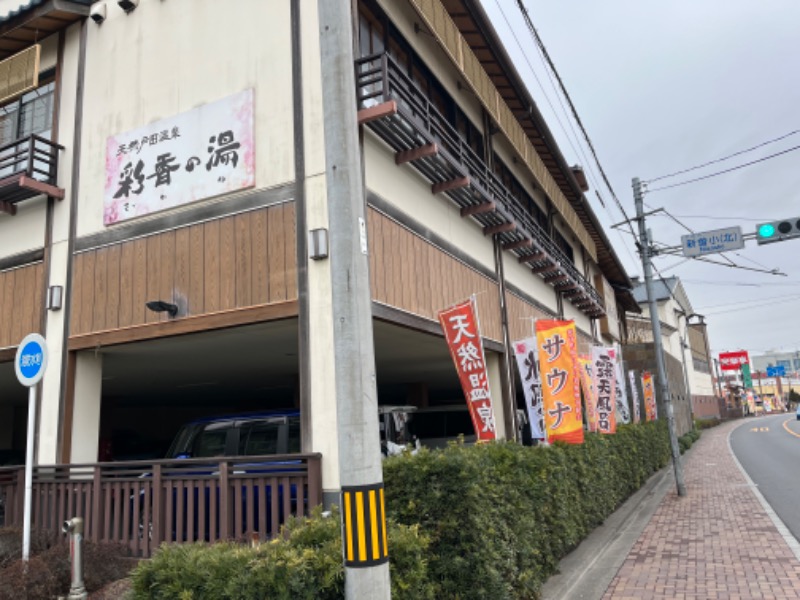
687, 352
164, 172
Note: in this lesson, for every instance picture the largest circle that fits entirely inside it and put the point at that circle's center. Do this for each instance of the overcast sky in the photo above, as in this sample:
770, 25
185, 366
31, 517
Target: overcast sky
665, 86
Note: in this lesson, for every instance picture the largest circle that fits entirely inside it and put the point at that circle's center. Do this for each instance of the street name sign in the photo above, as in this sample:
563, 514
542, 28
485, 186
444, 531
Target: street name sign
712, 242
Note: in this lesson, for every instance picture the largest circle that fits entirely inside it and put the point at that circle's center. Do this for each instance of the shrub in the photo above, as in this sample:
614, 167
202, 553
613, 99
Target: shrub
48, 570
501, 516
304, 564
706, 423
476, 522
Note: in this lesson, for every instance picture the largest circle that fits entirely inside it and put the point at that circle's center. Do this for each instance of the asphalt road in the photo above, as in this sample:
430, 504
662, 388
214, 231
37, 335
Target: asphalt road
768, 447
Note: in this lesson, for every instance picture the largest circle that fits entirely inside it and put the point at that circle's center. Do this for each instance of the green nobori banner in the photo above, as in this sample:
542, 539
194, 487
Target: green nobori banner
747, 379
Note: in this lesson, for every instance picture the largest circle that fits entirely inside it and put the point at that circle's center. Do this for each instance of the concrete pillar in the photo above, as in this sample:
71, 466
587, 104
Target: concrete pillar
49, 413
86, 408
494, 370
322, 387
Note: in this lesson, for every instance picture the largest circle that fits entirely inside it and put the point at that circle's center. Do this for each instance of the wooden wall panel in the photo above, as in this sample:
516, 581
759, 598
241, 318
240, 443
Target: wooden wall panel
413, 275
21, 295
521, 315
234, 262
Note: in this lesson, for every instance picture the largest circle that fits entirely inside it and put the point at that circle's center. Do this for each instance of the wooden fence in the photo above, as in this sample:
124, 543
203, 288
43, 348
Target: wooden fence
142, 504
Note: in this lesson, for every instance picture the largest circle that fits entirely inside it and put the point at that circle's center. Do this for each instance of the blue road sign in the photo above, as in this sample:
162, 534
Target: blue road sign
31, 360
779, 371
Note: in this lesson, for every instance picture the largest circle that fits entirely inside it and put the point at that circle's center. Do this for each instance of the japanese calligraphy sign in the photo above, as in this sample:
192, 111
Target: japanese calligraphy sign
528, 365
205, 152
605, 384
460, 325
650, 408
623, 411
733, 361
588, 391
558, 362
637, 415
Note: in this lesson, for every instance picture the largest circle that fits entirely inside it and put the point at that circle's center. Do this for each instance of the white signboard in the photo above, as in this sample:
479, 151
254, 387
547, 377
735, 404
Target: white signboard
528, 365
205, 152
711, 242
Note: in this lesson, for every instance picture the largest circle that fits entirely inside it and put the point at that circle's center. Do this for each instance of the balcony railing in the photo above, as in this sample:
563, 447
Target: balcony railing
142, 504
28, 167
405, 118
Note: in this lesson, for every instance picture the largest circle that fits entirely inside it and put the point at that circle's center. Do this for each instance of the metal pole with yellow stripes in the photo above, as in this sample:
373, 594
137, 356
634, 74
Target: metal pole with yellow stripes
364, 544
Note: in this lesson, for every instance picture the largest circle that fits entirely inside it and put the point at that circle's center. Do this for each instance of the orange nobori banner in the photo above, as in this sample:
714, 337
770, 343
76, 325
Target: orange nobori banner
650, 410
588, 392
462, 331
558, 360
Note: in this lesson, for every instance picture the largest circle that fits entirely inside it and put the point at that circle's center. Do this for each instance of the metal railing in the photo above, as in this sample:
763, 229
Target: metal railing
142, 504
380, 79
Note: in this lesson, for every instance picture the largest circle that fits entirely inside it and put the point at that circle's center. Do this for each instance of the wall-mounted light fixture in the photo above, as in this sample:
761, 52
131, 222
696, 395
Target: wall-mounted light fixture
98, 12
318, 244
128, 5
55, 297
161, 306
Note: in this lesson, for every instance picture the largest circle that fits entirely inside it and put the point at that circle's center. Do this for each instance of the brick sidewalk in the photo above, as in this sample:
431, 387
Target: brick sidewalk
715, 542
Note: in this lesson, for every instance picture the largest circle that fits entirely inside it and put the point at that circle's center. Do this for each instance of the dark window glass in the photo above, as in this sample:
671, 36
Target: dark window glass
30, 114
212, 440
294, 435
370, 32
564, 246
262, 438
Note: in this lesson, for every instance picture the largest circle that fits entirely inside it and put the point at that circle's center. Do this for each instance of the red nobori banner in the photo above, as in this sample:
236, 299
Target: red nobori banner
460, 325
733, 361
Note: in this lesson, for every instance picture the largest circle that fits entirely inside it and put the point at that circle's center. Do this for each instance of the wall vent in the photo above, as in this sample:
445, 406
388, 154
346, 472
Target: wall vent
19, 73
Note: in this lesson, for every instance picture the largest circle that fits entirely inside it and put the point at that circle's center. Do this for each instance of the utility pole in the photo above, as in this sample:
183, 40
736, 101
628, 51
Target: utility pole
364, 547
644, 250
684, 347
719, 379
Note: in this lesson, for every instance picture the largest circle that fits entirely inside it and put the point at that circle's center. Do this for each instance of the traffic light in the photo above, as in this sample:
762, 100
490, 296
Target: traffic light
778, 231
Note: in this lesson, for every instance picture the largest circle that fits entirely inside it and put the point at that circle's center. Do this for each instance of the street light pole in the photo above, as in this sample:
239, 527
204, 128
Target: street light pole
644, 250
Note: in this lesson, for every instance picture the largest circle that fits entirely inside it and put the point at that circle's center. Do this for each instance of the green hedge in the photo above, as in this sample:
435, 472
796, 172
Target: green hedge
305, 564
475, 522
501, 516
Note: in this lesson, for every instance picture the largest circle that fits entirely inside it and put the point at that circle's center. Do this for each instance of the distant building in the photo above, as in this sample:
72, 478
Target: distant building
789, 360
687, 355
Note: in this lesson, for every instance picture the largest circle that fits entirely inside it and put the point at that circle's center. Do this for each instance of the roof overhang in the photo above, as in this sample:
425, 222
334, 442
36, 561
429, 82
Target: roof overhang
37, 19
475, 25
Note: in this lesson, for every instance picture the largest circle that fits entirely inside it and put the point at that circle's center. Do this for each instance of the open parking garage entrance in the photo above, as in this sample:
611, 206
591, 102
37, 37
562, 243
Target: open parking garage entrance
13, 416
151, 388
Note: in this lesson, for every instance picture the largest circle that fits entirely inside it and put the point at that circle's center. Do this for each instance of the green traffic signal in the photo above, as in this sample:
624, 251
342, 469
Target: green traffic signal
766, 231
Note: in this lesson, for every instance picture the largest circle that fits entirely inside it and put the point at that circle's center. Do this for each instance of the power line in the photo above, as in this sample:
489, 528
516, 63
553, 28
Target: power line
783, 297
727, 218
740, 283
736, 168
754, 306
541, 87
724, 158
577, 118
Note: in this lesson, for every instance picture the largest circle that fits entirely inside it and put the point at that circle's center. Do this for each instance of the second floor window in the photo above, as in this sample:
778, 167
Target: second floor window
31, 113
